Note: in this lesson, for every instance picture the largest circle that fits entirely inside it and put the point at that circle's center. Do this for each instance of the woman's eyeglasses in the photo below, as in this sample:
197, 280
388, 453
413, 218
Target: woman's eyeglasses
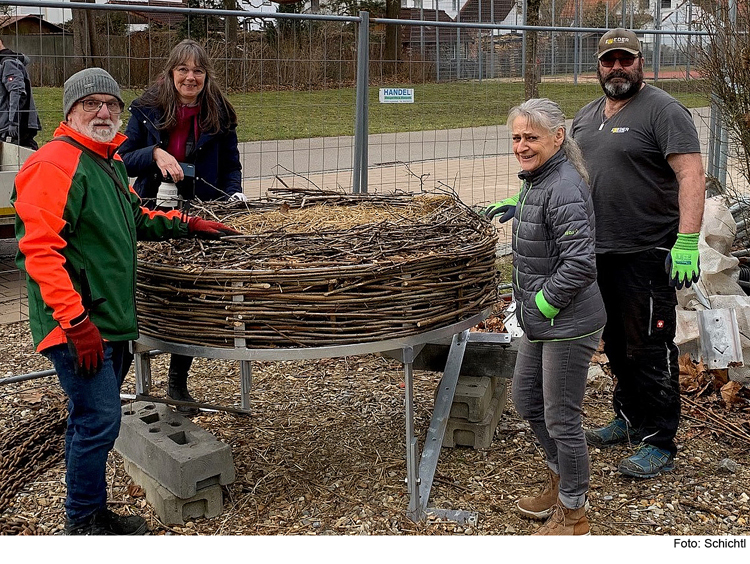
608, 61
183, 71
115, 107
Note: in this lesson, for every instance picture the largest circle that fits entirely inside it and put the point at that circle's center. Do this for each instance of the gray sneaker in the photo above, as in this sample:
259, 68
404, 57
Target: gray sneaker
616, 432
647, 462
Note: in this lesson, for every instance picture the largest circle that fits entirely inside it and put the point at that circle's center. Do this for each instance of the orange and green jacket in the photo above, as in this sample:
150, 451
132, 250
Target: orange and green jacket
77, 233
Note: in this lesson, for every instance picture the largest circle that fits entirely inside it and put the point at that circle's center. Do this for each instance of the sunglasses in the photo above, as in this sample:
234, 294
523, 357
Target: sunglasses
608, 61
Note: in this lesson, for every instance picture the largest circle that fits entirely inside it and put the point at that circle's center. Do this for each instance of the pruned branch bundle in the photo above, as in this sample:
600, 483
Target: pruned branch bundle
320, 269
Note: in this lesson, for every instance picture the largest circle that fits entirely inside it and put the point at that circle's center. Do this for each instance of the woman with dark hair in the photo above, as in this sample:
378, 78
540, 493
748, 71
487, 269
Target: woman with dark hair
559, 307
183, 118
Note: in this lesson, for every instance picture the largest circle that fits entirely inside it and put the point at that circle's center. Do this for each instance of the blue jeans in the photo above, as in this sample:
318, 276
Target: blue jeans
93, 424
549, 382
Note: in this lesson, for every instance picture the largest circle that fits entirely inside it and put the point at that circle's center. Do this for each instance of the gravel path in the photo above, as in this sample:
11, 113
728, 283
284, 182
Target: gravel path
323, 454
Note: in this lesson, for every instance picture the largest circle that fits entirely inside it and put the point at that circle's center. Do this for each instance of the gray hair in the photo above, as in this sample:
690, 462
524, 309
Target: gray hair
546, 114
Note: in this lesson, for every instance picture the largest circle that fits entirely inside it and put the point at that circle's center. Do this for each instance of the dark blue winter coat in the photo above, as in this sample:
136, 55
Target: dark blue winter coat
553, 251
218, 172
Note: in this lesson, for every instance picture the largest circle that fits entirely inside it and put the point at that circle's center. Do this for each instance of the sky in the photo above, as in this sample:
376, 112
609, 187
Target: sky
59, 15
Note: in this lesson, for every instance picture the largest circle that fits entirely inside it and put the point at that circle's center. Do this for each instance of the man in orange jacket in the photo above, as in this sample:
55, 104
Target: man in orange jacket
77, 223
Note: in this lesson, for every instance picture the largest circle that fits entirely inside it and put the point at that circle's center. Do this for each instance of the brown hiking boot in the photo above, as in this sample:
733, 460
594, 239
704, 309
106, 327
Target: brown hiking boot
541, 506
564, 521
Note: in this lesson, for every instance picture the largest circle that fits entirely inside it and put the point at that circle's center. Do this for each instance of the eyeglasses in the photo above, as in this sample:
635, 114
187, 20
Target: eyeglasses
608, 61
184, 71
115, 107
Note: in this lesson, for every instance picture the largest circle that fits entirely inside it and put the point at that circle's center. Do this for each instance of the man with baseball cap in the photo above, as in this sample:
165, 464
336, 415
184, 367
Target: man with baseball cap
77, 222
642, 152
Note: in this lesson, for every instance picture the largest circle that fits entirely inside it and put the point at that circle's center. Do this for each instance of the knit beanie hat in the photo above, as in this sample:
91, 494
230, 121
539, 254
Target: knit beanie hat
85, 82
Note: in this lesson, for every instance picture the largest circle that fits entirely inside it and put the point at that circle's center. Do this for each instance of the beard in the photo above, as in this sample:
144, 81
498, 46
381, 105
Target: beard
97, 133
628, 88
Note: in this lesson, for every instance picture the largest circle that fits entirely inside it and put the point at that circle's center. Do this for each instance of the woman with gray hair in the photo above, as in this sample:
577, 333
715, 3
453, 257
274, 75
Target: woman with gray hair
559, 307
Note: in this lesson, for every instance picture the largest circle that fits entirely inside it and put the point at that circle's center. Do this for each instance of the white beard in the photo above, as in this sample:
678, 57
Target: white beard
103, 135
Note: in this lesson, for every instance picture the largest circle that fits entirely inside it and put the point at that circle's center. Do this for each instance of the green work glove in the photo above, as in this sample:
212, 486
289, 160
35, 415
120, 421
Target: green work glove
548, 310
507, 207
683, 262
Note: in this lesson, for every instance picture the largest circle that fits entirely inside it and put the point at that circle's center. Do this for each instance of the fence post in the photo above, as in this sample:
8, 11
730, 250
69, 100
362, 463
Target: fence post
657, 42
361, 108
437, 42
718, 144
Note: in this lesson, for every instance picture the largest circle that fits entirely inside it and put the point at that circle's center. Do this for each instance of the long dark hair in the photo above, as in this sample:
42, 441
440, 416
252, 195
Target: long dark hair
216, 110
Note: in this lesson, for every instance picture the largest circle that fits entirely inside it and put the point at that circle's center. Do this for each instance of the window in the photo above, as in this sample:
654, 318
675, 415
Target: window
666, 4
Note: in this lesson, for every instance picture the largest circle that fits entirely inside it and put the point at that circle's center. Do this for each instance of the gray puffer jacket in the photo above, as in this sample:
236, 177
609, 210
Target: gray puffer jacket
553, 250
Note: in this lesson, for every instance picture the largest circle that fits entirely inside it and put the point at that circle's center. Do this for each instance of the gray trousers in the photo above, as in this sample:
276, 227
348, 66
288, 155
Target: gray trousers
548, 387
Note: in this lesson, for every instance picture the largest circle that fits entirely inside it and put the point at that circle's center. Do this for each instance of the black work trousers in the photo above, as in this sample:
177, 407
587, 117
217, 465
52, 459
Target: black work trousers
639, 342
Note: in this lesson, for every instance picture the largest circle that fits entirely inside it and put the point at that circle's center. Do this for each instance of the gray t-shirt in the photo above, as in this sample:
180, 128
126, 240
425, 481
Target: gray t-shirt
634, 189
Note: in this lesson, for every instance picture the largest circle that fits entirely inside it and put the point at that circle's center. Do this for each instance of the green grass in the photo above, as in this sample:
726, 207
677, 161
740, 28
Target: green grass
329, 113
505, 268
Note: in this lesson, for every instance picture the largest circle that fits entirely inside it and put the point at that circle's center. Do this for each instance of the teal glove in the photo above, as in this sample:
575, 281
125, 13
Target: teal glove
548, 310
683, 262
507, 207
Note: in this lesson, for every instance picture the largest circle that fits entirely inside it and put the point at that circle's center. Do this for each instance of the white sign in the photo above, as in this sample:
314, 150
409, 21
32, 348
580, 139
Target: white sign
396, 95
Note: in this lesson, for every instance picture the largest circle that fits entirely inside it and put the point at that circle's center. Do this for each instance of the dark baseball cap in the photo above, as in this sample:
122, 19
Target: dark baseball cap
618, 40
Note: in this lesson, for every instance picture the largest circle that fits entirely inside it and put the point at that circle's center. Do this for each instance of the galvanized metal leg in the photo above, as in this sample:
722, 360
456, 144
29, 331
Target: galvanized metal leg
246, 382
436, 432
414, 511
142, 364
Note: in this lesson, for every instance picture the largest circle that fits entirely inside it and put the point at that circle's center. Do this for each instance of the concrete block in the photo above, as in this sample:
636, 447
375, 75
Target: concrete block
177, 453
474, 395
472, 399
480, 359
460, 432
172, 510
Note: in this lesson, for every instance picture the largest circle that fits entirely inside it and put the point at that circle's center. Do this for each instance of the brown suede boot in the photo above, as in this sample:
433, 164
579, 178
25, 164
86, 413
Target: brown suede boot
542, 505
564, 521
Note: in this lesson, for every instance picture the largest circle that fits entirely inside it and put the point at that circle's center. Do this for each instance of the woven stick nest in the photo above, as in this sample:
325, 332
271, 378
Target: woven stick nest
319, 269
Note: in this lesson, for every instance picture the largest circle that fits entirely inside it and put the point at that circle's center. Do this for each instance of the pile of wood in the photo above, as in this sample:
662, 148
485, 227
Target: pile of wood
320, 269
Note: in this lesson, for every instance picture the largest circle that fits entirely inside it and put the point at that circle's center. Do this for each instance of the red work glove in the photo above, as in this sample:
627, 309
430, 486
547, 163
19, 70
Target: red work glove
85, 342
207, 229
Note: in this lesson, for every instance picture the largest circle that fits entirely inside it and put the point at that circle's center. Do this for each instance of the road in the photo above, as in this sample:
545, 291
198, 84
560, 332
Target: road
477, 163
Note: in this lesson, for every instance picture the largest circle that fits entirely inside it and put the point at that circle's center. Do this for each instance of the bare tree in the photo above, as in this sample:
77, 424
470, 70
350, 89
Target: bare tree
85, 43
530, 88
724, 63
230, 23
392, 47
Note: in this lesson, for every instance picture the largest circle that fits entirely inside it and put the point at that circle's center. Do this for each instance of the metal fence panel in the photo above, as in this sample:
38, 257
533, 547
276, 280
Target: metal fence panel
293, 80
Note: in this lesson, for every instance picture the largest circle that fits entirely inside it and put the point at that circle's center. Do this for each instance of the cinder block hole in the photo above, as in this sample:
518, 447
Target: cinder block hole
128, 412
150, 418
194, 509
153, 429
463, 438
207, 482
180, 438
174, 424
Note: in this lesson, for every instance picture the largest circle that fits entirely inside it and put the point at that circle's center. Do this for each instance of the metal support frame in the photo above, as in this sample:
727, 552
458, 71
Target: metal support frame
419, 473
436, 432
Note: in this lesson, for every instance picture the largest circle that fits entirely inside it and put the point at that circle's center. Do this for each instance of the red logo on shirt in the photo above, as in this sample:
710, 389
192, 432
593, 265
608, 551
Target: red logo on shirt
660, 324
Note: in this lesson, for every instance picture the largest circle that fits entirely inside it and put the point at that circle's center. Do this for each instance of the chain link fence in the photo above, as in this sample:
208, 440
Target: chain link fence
304, 120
